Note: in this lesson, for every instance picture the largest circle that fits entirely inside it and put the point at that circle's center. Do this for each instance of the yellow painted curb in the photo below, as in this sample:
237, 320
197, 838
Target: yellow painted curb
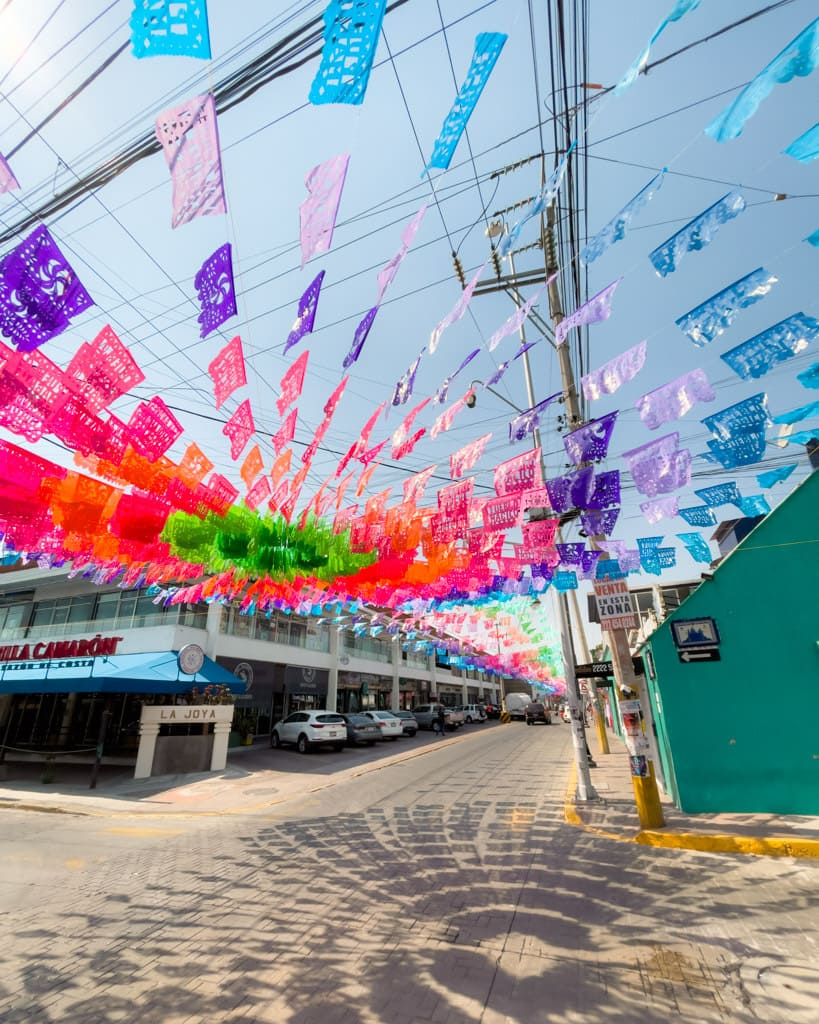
756, 846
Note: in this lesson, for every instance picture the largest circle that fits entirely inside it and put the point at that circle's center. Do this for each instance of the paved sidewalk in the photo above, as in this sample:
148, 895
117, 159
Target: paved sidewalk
614, 815
256, 777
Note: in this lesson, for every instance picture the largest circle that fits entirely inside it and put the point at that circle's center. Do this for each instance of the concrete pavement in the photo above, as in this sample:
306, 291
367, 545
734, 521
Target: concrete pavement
258, 777
614, 816
437, 889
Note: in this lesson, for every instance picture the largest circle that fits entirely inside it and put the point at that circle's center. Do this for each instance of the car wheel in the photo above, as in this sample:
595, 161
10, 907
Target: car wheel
338, 746
303, 744
275, 742
370, 743
469, 720
411, 732
393, 738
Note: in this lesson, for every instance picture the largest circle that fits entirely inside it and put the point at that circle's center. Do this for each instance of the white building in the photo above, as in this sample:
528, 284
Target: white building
70, 650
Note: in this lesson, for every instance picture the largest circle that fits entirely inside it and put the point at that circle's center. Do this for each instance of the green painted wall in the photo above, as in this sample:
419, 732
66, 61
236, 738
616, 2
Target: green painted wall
742, 734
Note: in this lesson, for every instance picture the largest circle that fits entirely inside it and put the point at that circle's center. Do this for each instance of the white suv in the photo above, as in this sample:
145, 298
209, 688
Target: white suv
309, 729
474, 713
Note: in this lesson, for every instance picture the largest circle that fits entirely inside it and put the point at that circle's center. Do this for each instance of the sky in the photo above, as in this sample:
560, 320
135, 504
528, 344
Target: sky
140, 272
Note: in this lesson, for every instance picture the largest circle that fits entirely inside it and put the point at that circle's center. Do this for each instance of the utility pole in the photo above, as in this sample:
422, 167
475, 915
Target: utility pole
645, 786
585, 789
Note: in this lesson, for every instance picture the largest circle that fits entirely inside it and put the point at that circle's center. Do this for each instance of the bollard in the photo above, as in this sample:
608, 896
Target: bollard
48, 770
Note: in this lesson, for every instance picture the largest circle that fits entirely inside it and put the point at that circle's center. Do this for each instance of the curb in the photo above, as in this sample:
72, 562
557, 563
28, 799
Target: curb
9, 803
703, 842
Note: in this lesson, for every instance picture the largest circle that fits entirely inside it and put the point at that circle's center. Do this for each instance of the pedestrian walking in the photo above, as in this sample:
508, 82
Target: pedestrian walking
441, 718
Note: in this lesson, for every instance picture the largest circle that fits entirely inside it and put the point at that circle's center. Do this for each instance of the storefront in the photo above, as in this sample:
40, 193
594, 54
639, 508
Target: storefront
53, 693
366, 691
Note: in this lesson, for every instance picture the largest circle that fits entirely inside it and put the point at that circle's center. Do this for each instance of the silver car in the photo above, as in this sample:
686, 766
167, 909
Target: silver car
390, 726
408, 722
307, 730
361, 729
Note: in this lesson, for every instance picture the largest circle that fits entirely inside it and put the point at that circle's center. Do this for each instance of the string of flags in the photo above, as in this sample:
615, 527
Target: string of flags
128, 512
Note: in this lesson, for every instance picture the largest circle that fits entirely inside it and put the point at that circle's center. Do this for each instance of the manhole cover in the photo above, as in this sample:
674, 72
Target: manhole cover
788, 989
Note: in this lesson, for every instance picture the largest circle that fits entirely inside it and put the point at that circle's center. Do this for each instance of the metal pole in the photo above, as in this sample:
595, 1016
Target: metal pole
585, 790
602, 735
104, 720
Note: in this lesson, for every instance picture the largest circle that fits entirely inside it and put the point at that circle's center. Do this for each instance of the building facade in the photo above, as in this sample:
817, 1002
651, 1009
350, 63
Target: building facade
70, 651
733, 673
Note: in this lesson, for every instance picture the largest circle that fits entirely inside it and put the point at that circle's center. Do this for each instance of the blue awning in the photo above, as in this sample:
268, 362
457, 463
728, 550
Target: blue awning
151, 672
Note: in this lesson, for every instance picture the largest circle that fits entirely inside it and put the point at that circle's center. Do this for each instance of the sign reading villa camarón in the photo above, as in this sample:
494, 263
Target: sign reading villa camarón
98, 646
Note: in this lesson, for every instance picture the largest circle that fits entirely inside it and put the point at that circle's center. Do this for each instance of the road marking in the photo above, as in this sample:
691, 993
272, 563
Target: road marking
122, 831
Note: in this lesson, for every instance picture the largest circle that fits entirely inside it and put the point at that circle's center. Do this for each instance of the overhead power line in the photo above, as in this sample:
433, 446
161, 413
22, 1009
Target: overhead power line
282, 57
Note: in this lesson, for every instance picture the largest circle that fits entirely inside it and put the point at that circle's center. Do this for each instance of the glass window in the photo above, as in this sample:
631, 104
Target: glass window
81, 609
329, 718
298, 633
13, 618
242, 624
107, 608
265, 629
127, 606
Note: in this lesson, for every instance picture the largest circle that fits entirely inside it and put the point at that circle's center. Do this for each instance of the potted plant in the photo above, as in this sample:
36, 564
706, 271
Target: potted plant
244, 723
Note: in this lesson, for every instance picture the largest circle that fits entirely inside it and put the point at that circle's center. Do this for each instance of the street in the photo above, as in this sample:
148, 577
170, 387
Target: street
447, 888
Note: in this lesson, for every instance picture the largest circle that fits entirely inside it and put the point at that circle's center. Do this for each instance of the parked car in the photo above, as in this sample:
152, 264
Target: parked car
361, 729
566, 713
537, 712
474, 713
492, 710
390, 726
310, 729
427, 715
408, 722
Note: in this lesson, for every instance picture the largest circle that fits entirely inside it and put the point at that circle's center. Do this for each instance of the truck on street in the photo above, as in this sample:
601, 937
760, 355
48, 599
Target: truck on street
516, 703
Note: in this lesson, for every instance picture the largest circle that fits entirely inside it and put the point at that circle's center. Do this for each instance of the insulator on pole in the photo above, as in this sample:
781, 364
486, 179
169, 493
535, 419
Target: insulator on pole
551, 258
459, 270
496, 263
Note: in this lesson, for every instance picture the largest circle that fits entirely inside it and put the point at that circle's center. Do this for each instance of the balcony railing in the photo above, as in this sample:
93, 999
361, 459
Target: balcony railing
364, 647
291, 632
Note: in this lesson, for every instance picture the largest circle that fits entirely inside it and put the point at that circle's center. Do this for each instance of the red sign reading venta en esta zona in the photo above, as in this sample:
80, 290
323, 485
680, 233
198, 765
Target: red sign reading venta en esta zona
615, 605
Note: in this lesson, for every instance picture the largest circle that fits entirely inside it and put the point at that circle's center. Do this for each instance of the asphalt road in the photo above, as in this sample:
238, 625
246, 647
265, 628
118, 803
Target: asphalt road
446, 888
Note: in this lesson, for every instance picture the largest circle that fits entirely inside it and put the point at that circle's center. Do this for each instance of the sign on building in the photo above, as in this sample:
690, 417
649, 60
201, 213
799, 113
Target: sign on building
615, 605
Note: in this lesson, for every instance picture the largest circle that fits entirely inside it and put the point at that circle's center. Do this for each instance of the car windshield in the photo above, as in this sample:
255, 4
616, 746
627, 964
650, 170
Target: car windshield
330, 718
402, 714
359, 720
383, 714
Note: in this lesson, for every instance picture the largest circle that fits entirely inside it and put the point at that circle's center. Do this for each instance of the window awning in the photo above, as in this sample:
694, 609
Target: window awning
151, 672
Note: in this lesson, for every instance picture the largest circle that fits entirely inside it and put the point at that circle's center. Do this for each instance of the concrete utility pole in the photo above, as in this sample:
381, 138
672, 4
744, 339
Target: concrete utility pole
645, 786
585, 789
